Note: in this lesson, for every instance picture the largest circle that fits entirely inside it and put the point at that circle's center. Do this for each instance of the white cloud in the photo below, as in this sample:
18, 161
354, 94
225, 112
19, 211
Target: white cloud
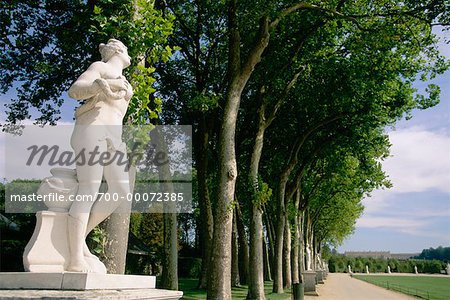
411, 226
444, 36
420, 161
400, 224
12, 158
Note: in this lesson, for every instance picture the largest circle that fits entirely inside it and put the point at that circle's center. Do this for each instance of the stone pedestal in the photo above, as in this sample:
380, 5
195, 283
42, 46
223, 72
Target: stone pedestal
309, 282
74, 281
127, 294
48, 249
71, 285
319, 276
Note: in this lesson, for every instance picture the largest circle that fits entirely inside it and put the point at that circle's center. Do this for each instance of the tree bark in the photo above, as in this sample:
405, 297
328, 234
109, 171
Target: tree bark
270, 240
256, 276
278, 255
235, 281
169, 278
206, 215
219, 286
296, 242
301, 254
267, 268
117, 227
287, 279
243, 247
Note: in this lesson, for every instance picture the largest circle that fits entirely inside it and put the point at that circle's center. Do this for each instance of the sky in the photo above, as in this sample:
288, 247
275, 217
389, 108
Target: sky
415, 213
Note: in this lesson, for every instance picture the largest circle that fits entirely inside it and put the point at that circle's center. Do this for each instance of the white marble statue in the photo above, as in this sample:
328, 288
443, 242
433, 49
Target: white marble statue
319, 264
448, 269
349, 269
389, 269
98, 127
367, 269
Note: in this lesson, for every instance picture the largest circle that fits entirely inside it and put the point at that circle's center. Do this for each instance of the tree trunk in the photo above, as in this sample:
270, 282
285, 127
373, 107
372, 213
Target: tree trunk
219, 283
278, 257
287, 255
271, 241
117, 226
169, 278
309, 261
267, 268
206, 216
296, 242
295, 254
301, 233
256, 276
243, 247
235, 281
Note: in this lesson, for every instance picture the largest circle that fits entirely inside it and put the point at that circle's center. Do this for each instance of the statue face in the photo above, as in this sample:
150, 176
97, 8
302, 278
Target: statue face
115, 48
123, 53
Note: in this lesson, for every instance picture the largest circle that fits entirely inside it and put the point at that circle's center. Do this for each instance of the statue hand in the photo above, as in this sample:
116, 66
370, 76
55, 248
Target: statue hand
106, 89
128, 90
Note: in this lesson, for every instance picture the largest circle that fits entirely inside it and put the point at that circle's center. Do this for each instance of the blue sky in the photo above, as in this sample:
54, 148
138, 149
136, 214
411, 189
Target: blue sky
415, 213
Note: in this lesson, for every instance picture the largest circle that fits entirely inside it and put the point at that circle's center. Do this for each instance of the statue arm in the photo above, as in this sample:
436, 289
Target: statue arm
88, 84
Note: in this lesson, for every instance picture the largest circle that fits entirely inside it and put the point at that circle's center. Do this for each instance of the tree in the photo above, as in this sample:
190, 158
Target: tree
202, 62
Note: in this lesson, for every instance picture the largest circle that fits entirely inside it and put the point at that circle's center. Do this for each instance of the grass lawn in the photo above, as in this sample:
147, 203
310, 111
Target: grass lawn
189, 288
427, 287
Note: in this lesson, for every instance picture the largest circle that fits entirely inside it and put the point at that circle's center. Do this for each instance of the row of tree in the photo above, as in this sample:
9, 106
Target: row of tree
288, 101
440, 253
339, 263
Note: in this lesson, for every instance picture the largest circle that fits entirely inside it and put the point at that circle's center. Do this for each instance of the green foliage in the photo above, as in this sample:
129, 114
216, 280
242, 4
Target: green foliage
144, 30
189, 267
338, 263
204, 103
440, 253
263, 194
151, 233
16, 230
96, 242
48, 44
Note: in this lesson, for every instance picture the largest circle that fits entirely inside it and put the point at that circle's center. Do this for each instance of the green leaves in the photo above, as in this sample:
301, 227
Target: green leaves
47, 45
145, 31
97, 10
204, 103
424, 102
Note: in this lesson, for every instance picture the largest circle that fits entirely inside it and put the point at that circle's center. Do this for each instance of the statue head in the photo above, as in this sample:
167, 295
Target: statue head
112, 48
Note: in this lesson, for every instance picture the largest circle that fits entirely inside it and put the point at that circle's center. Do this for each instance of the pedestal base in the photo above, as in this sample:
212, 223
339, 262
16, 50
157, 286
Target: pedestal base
48, 249
319, 276
148, 294
74, 281
309, 281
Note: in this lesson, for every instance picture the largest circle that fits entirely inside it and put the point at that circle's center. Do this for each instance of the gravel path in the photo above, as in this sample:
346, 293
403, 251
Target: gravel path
339, 286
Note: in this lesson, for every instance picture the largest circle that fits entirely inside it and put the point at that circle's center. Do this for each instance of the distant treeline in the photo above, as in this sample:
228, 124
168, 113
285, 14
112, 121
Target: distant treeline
339, 263
440, 253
